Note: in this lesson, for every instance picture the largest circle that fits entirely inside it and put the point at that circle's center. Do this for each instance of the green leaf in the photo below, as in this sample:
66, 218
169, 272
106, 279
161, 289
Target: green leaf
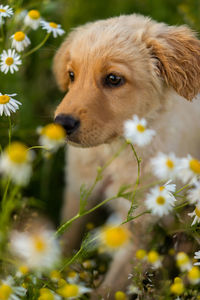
83, 198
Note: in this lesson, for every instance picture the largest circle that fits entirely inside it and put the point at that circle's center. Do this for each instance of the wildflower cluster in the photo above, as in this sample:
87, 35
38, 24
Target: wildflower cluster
32, 263
10, 58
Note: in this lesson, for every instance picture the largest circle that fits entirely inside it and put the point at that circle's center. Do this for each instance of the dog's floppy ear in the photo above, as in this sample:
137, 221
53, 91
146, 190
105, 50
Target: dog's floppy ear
178, 59
60, 64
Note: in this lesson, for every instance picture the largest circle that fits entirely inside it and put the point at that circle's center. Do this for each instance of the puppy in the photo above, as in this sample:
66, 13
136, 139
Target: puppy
113, 69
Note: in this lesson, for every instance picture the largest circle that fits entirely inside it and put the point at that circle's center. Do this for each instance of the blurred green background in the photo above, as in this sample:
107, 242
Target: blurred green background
36, 87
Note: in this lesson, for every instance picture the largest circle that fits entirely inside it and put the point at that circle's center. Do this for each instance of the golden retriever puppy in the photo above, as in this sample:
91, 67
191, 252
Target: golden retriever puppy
113, 69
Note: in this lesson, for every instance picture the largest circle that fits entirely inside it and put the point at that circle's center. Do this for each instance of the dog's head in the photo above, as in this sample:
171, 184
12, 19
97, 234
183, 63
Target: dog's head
115, 68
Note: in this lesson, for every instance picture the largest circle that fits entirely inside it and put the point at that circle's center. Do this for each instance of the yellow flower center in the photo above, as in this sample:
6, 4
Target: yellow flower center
55, 275
54, 132
19, 36
5, 292
161, 188
9, 61
169, 164
171, 251
152, 256
177, 280
23, 269
194, 273
120, 296
72, 275
4, 99
89, 226
177, 288
197, 212
34, 14
17, 152
141, 253
160, 200
115, 237
141, 128
46, 294
39, 244
2, 10
53, 25
69, 290
61, 282
182, 259
87, 264
195, 166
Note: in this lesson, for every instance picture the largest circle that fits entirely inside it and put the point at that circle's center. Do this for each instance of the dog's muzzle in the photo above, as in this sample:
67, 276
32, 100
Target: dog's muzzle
69, 123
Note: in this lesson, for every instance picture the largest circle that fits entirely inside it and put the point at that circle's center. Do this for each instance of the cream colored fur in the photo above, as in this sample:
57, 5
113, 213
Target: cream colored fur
161, 66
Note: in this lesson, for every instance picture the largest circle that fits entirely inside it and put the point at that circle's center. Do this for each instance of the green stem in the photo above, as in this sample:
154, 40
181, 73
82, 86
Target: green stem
38, 147
9, 131
2, 33
37, 47
147, 186
7, 208
5, 192
98, 177
184, 187
115, 156
136, 183
68, 262
63, 227
181, 205
137, 216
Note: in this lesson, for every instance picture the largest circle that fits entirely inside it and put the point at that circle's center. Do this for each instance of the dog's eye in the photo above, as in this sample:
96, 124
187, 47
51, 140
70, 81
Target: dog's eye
113, 80
71, 76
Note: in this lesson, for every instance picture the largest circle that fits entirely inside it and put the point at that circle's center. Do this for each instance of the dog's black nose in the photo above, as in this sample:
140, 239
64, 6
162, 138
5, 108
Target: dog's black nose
69, 123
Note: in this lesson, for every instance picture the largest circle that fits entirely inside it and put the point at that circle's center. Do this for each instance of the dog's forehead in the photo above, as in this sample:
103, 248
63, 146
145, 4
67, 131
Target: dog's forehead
104, 41
118, 37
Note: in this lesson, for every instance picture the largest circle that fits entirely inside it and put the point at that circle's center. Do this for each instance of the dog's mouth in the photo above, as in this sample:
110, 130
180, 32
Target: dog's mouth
77, 140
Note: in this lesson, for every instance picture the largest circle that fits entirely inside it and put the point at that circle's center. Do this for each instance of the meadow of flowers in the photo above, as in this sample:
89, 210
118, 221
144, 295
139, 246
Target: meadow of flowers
33, 265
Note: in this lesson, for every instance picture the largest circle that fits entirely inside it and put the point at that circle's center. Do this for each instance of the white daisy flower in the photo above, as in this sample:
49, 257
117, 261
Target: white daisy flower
89, 264
189, 169
55, 275
15, 162
193, 275
136, 131
154, 259
52, 27
165, 166
183, 261
196, 215
72, 291
5, 12
47, 294
52, 136
133, 289
23, 270
160, 200
9, 61
8, 104
197, 256
33, 19
9, 291
193, 194
38, 251
72, 277
20, 41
